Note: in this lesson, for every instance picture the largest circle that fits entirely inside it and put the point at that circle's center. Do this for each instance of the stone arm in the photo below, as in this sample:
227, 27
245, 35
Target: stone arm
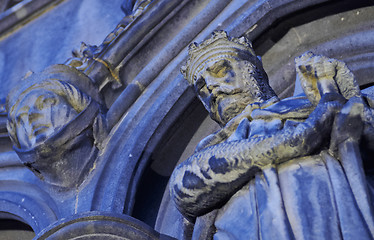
211, 176
224, 133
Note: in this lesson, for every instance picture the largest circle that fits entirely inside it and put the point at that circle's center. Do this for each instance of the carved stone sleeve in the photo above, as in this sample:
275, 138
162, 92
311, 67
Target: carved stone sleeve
209, 177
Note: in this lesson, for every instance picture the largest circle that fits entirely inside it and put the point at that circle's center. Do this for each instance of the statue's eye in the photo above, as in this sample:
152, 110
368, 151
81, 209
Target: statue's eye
220, 69
45, 100
50, 100
21, 115
34, 116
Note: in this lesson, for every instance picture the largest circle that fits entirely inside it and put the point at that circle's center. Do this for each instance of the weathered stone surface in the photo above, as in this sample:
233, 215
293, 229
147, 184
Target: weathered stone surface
153, 120
50, 38
299, 201
97, 225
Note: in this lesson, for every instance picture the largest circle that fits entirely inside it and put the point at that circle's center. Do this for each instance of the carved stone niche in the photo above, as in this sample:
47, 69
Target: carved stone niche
250, 179
137, 69
51, 123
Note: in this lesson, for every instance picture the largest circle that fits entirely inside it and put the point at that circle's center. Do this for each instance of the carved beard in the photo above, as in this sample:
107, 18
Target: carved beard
225, 105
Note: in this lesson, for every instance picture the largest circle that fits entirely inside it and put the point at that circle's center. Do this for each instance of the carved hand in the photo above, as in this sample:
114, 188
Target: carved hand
212, 175
316, 75
319, 75
232, 125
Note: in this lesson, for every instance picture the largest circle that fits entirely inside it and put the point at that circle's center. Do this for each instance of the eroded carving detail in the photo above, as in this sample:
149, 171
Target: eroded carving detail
50, 122
88, 54
260, 132
54, 117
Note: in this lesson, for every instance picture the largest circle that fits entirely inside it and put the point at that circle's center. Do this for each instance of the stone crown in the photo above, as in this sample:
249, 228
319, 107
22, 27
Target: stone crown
219, 46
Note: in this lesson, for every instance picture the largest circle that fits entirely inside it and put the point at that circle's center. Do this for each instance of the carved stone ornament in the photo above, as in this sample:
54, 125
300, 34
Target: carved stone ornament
278, 169
55, 118
50, 122
213, 68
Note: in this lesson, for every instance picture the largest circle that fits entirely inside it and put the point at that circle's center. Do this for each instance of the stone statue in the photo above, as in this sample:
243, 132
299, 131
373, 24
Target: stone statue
50, 121
278, 169
57, 118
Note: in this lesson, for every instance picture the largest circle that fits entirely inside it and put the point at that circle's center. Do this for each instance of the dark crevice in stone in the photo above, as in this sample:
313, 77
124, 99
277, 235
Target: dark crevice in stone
152, 185
10, 224
149, 196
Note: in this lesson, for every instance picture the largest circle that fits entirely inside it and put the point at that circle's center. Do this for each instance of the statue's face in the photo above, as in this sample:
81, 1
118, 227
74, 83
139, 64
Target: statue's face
38, 115
227, 86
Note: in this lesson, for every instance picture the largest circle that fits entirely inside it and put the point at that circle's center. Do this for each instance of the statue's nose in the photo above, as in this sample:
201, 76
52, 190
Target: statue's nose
209, 82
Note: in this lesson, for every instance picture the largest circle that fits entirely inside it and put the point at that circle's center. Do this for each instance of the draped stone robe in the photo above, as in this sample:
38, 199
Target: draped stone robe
313, 197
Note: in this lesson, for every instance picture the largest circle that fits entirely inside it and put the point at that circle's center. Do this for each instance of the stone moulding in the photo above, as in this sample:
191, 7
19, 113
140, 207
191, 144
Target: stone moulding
226, 18
101, 225
13, 17
28, 202
146, 57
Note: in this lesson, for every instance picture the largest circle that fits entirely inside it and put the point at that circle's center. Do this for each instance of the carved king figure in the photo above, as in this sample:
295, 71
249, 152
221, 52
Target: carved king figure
278, 169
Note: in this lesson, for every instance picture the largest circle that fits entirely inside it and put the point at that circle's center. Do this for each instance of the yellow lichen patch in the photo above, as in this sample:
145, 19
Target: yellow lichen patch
219, 69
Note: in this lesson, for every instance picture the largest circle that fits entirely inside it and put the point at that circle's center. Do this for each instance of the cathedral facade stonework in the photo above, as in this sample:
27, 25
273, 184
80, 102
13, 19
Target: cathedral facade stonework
184, 119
